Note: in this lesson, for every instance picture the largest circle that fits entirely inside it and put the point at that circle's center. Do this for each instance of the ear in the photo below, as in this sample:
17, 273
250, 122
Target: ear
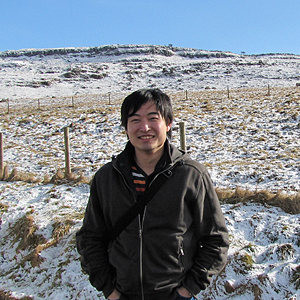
169, 126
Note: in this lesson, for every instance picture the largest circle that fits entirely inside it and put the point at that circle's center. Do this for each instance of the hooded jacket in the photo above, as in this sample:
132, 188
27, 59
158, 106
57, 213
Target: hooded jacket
181, 239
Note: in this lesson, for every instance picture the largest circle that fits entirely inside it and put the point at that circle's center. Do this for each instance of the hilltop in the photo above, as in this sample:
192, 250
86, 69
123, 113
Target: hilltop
32, 73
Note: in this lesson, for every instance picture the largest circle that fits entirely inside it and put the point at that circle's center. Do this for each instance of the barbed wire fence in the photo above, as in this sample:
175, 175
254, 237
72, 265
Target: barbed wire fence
8, 106
97, 101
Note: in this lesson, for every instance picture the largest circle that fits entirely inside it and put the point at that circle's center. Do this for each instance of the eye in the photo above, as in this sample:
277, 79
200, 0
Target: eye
134, 120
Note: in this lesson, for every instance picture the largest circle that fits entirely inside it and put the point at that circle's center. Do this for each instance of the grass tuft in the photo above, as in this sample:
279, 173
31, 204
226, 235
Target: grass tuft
288, 203
58, 178
7, 296
15, 175
61, 228
5, 174
24, 232
61, 178
296, 277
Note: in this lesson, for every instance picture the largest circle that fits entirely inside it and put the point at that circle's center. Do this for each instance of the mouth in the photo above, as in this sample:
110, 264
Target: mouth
146, 137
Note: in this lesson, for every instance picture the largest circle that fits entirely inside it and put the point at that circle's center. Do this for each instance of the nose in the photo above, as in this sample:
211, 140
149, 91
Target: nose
145, 127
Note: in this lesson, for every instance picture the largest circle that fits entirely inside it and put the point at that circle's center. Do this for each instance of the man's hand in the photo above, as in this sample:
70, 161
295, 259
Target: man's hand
184, 292
114, 295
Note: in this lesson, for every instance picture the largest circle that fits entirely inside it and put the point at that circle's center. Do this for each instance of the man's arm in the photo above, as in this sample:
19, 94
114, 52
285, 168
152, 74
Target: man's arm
213, 240
92, 243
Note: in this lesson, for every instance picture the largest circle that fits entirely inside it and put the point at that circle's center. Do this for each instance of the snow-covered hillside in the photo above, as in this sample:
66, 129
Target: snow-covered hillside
114, 68
249, 140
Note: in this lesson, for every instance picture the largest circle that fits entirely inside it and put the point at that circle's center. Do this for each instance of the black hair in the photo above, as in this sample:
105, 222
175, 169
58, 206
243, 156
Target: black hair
133, 102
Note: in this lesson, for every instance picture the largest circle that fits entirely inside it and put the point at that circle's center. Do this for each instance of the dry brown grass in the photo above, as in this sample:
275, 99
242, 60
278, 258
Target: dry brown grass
288, 203
296, 277
16, 175
58, 178
61, 178
24, 233
93, 102
60, 229
7, 296
5, 174
3, 209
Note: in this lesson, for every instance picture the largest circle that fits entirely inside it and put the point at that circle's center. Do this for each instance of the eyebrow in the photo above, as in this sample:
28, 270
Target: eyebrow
149, 114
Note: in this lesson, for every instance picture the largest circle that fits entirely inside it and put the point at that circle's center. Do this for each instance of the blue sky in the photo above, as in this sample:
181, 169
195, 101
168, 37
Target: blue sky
227, 25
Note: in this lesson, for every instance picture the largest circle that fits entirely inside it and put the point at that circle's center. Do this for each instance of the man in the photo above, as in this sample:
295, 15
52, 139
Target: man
174, 247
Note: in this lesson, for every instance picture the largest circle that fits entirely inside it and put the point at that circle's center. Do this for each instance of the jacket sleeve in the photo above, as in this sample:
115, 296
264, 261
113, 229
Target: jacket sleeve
92, 244
212, 236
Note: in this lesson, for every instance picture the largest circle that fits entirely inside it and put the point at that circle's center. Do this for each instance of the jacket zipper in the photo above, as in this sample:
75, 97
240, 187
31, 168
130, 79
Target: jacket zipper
141, 222
141, 225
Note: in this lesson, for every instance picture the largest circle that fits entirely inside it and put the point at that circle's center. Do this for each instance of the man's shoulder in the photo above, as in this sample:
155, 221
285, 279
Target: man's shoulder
185, 159
194, 164
105, 169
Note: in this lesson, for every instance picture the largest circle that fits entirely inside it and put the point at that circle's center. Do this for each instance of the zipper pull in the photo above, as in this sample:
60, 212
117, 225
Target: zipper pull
140, 232
181, 251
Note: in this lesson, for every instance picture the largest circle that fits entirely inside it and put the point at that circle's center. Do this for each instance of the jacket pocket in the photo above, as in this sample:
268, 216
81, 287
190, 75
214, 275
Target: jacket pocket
181, 256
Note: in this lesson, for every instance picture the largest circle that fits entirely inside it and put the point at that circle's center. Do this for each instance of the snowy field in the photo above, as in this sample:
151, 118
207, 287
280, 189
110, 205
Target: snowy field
248, 140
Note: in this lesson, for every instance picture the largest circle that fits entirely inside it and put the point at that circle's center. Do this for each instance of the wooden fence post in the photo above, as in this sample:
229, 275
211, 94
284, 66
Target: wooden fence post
186, 95
39, 106
8, 106
1, 155
228, 94
67, 151
268, 90
109, 98
182, 136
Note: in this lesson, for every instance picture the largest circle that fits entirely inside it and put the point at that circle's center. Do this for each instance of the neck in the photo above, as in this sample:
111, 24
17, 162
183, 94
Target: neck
147, 161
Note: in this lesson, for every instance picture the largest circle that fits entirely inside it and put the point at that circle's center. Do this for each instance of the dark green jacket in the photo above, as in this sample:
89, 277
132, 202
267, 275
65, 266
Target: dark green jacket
180, 240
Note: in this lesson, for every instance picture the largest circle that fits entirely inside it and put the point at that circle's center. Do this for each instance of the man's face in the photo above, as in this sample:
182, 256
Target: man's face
147, 130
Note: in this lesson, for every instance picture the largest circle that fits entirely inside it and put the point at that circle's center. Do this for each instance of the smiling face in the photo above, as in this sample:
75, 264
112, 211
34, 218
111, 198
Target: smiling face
147, 129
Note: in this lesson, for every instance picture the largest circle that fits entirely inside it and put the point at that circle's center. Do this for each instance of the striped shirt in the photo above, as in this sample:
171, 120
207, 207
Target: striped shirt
139, 179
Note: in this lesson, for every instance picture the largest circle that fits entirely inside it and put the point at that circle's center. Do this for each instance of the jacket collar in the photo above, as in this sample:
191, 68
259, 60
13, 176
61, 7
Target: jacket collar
171, 155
